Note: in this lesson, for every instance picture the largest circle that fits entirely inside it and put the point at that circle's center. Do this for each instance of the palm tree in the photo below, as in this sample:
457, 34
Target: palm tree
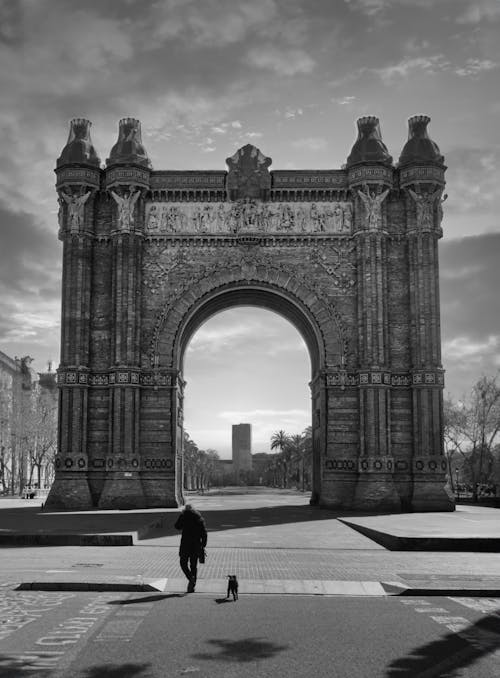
296, 445
281, 440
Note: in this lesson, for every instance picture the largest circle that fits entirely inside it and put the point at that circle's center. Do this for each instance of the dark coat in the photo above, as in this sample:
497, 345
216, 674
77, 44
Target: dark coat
194, 532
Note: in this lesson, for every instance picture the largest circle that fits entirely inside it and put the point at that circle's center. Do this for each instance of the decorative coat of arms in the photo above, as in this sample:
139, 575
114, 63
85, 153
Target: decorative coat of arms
248, 175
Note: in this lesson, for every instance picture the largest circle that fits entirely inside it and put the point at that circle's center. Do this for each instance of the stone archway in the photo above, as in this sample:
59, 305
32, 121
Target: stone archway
348, 256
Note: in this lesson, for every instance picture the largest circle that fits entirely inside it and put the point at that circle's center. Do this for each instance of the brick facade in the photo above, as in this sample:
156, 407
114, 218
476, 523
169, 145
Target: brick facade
349, 256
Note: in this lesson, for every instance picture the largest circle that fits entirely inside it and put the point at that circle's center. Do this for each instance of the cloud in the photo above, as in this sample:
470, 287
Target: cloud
472, 185
283, 61
462, 348
212, 23
470, 308
403, 69
310, 144
344, 101
29, 287
479, 11
233, 415
476, 66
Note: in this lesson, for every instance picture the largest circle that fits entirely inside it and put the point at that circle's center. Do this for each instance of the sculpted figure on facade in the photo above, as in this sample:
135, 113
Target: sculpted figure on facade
347, 217
154, 218
248, 175
76, 208
126, 205
440, 208
425, 207
373, 207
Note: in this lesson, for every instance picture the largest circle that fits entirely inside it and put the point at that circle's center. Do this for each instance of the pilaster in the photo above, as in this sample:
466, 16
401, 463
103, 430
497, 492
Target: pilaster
77, 186
125, 187
375, 490
423, 183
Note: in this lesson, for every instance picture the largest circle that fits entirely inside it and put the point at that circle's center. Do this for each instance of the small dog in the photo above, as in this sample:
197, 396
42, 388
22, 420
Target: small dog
232, 586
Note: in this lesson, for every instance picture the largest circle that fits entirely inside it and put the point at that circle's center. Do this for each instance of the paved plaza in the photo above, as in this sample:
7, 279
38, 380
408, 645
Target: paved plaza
273, 540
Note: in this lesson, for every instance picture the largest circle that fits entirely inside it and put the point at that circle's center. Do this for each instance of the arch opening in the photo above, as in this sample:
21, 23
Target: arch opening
245, 392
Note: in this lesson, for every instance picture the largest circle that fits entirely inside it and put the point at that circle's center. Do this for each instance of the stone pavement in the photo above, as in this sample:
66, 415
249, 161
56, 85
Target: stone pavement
276, 543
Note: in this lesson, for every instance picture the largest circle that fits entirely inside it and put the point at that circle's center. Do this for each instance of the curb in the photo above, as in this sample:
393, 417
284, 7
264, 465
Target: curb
320, 588
157, 585
397, 589
66, 540
393, 542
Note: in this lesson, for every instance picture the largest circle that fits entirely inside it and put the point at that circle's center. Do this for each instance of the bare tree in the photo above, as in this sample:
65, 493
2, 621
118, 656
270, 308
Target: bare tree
472, 427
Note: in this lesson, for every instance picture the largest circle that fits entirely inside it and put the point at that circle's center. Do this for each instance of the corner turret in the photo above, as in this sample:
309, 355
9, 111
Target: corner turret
369, 146
79, 148
420, 148
129, 149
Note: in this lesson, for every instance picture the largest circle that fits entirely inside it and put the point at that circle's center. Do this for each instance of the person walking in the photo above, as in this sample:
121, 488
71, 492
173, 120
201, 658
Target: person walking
193, 542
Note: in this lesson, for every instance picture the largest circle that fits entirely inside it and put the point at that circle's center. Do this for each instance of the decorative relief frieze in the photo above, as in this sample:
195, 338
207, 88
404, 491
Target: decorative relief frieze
127, 175
429, 464
411, 175
78, 175
342, 378
248, 216
377, 174
381, 464
427, 378
309, 180
187, 180
345, 465
118, 378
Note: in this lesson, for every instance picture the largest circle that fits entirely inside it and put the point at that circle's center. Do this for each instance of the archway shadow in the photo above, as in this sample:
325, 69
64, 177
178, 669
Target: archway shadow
265, 516
230, 519
442, 658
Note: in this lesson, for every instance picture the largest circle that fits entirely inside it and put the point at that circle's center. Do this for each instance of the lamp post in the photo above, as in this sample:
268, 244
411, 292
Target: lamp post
456, 483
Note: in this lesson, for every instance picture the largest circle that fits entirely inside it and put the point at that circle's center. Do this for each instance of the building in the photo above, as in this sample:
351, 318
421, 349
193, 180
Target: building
241, 449
28, 425
348, 255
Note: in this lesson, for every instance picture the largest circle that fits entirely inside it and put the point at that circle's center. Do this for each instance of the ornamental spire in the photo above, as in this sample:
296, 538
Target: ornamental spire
369, 146
79, 148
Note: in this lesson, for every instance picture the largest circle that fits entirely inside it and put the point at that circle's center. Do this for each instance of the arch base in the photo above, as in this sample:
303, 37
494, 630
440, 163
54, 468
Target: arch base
376, 494
160, 491
69, 492
431, 495
122, 491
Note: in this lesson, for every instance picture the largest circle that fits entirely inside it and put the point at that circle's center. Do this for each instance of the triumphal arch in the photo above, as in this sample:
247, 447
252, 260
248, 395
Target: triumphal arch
349, 256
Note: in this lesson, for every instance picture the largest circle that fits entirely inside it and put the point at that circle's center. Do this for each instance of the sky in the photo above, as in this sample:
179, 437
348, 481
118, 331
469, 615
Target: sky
290, 76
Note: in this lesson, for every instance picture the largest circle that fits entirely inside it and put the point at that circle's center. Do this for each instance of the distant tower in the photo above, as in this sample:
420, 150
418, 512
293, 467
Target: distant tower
242, 448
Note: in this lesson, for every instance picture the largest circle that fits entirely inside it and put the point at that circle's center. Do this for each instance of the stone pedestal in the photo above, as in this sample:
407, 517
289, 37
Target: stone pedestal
70, 492
122, 490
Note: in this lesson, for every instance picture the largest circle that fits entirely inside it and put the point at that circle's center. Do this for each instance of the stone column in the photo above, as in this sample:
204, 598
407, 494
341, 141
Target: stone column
375, 487
123, 486
422, 178
78, 180
340, 470
161, 437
